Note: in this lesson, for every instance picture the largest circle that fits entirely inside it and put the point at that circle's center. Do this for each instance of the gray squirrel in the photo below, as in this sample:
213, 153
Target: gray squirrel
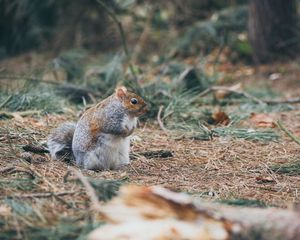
100, 139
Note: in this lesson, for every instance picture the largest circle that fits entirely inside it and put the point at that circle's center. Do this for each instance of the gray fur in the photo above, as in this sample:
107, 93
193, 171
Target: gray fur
111, 118
60, 141
110, 150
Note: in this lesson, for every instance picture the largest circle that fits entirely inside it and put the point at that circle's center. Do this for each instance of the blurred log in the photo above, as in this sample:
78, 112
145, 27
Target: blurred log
157, 213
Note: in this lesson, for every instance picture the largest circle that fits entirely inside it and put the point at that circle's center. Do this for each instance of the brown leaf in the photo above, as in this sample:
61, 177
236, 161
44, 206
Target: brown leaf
221, 94
5, 211
264, 179
263, 120
220, 118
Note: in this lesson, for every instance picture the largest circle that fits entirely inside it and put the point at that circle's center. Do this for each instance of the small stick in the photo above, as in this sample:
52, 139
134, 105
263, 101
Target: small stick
39, 175
220, 88
284, 129
63, 87
40, 195
290, 101
28, 78
5, 102
122, 33
161, 124
12, 169
35, 149
144, 35
247, 95
20, 114
6, 169
89, 190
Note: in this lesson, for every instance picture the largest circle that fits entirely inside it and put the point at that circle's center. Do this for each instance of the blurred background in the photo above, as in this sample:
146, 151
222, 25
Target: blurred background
259, 29
83, 48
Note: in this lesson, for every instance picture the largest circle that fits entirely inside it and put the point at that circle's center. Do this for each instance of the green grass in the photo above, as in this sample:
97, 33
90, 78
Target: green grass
244, 202
41, 98
66, 228
291, 169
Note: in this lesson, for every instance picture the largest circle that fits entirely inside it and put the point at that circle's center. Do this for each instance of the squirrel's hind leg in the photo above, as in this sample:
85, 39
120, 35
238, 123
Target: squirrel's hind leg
110, 153
124, 150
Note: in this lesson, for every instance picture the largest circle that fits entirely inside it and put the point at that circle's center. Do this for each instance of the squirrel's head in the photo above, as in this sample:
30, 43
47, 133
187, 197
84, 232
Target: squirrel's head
134, 104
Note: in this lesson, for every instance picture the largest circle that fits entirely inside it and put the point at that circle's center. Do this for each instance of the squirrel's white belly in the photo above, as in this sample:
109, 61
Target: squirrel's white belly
129, 123
111, 152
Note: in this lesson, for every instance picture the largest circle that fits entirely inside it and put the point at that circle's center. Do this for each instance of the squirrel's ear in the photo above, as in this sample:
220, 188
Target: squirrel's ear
121, 92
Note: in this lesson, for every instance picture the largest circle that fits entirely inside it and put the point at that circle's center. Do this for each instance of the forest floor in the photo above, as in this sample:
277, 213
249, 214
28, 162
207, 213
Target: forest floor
220, 169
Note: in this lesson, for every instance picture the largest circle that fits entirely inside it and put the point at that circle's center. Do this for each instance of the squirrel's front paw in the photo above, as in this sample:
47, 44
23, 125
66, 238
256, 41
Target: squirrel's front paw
128, 131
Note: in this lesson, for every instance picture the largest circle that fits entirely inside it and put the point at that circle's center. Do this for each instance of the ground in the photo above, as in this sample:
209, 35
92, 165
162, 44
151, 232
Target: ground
216, 170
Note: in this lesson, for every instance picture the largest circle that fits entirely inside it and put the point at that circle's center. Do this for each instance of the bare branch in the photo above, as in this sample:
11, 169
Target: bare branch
161, 124
284, 129
228, 89
123, 37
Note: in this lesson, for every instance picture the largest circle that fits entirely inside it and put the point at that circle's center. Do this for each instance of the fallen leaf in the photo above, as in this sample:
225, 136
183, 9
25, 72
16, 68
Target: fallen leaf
264, 179
221, 94
17, 116
263, 120
5, 211
219, 118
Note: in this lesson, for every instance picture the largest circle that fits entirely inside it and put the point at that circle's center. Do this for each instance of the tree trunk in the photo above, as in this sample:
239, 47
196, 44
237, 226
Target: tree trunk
273, 29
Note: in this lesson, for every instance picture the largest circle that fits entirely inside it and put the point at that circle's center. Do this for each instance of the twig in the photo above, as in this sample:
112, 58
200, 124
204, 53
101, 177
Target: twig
290, 101
6, 169
185, 73
247, 95
161, 124
122, 33
63, 87
35, 149
144, 35
28, 78
19, 114
89, 190
39, 175
12, 170
40, 195
157, 154
284, 129
220, 88
5, 102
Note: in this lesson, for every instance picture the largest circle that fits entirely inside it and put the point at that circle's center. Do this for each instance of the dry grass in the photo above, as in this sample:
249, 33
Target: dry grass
218, 169
223, 167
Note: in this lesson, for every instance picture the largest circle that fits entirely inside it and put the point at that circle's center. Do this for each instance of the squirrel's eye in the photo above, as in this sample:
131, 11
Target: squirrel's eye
134, 101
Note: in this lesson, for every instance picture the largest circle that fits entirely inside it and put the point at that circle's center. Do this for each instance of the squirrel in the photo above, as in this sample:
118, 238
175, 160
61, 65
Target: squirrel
100, 139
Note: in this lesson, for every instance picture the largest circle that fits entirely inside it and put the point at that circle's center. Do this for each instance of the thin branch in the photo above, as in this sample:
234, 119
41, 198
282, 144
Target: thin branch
247, 95
40, 195
64, 86
123, 37
145, 34
35, 149
89, 190
14, 169
5, 101
228, 89
6, 169
284, 129
39, 175
28, 78
160, 122
289, 101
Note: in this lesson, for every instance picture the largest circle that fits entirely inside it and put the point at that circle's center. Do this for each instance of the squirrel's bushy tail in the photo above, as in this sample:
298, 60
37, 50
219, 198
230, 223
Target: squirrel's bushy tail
60, 142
